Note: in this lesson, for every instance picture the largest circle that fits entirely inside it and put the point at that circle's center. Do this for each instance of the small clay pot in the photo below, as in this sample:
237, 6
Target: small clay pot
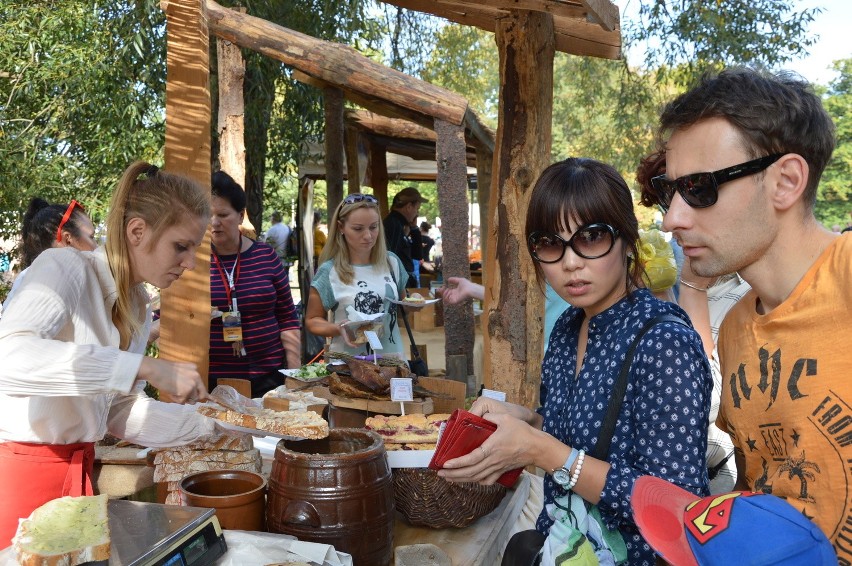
238, 496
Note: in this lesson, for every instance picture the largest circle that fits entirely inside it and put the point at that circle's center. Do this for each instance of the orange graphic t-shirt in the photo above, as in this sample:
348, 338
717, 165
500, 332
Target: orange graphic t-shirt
787, 394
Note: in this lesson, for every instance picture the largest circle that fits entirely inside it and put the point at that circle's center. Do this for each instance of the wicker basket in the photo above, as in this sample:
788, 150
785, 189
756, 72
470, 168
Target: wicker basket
426, 500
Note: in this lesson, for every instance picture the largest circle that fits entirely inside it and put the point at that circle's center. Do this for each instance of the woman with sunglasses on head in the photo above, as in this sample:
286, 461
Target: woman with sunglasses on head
258, 332
52, 226
583, 237
73, 347
356, 272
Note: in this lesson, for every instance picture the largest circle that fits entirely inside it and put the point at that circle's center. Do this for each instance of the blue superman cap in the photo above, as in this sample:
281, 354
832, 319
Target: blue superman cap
740, 527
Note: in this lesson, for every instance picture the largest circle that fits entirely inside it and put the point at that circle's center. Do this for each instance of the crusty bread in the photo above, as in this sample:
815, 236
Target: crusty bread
301, 424
407, 429
64, 532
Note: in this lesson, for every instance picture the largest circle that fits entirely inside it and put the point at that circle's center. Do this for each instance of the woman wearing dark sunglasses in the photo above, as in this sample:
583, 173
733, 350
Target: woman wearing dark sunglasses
357, 274
73, 346
583, 236
52, 226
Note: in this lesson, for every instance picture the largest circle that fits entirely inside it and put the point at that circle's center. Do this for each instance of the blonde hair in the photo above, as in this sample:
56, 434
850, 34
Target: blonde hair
336, 249
162, 200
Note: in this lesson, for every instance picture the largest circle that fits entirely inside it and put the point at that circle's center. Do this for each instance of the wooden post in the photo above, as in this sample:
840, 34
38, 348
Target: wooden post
525, 41
334, 144
185, 318
459, 327
484, 164
353, 168
231, 126
379, 176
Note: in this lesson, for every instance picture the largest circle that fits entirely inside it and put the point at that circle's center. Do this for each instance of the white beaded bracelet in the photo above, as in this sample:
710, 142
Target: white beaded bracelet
576, 475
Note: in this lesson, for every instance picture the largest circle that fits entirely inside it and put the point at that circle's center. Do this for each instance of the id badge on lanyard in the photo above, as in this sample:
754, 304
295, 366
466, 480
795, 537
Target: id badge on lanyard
232, 326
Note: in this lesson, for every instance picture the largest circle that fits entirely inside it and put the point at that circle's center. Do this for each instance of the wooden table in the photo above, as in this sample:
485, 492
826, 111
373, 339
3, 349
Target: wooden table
478, 544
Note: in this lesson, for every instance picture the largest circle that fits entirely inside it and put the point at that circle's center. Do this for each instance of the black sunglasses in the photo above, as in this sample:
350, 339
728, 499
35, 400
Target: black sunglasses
700, 190
358, 197
590, 241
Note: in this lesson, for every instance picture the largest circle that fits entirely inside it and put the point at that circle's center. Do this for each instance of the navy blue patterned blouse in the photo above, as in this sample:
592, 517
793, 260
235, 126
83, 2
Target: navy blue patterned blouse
662, 427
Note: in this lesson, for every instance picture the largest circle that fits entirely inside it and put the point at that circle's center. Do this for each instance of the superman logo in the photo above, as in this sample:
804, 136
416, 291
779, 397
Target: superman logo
710, 516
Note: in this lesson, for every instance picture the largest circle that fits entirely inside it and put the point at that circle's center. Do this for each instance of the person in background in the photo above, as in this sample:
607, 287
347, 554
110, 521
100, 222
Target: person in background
52, 226
416, 240
405, 207
358, 273
250, 286
583, 236
319, 238
277, 237
73, 341
745, 151
427, 240
706, 301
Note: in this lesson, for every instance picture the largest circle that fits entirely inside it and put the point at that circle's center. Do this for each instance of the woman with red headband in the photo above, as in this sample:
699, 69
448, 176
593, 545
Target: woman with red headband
52, 226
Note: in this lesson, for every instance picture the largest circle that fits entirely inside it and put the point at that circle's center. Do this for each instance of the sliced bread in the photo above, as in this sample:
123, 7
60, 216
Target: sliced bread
66, 531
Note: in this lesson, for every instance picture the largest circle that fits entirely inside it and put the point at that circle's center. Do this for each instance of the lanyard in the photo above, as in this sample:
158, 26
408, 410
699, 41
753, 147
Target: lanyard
229, 280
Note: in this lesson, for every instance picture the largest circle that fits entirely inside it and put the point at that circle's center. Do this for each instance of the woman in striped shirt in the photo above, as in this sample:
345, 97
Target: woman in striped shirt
258, 333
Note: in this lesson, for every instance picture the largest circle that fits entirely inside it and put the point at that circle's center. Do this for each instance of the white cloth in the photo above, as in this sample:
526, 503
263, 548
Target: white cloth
277, 237
721, 297
15, 285
63, 378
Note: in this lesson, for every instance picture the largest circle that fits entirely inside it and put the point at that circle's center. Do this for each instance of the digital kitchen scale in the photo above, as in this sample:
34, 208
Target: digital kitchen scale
151, 534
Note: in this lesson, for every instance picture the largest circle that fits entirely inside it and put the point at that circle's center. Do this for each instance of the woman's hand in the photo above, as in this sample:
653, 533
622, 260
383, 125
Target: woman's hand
180, 380
345, 335
487, 405
461, 289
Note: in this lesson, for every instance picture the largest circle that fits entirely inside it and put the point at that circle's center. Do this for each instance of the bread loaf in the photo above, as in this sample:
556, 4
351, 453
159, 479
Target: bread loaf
64, 532
305, 424
414, 429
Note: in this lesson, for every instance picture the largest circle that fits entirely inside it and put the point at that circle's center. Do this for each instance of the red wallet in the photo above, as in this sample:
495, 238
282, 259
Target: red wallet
464, 433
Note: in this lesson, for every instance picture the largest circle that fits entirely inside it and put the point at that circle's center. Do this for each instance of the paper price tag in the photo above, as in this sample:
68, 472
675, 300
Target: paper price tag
373, 339
496, 395
401, 389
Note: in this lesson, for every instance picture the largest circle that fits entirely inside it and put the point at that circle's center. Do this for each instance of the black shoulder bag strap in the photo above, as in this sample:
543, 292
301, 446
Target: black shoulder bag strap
401, 310
601, 450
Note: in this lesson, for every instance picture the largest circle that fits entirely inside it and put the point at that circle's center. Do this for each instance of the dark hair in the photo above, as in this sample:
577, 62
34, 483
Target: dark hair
650, 166
41, 221
585, 191
425, 226
773, 114
224, 186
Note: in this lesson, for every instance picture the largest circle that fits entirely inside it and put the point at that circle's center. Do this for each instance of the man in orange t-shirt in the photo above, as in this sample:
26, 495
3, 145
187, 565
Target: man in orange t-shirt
744, 154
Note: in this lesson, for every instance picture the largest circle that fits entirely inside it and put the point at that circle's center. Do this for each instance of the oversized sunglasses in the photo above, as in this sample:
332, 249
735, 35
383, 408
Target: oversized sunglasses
358, 197
700, 190
590, 241
66, 217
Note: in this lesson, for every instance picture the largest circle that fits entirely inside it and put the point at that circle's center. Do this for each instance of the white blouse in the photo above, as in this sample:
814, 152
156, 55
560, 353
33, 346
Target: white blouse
63, 378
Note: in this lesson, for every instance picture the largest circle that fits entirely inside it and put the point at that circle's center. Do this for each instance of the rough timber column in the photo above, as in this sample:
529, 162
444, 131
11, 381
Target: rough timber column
334, 146
185, 321
513, 302
452, 204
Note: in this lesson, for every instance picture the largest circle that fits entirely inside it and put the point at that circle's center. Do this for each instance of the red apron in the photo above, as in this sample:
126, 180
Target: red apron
33, 474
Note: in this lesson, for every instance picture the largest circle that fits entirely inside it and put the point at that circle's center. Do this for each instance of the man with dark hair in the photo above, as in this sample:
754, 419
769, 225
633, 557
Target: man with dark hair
404, 209
744, 154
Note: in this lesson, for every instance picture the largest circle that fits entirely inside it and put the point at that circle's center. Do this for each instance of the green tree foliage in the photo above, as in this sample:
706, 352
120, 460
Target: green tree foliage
465, 60
685, 38
81, 95
834, 198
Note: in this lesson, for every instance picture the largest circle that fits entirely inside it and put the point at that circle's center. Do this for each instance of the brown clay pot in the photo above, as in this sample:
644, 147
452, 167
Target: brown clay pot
238, 497
336, 491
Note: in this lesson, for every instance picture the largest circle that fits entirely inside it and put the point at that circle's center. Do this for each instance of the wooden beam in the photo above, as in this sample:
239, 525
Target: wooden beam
335, 144
459, 327
337, 64
588, 29
513, 307
185, 312
390, 127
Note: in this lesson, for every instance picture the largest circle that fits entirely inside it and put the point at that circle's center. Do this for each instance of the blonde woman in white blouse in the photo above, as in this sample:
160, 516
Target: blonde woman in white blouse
73, 341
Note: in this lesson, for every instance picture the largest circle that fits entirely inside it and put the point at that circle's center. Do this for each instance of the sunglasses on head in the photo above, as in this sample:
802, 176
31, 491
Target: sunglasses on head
700, 190
590, 241
67, 216
358, 197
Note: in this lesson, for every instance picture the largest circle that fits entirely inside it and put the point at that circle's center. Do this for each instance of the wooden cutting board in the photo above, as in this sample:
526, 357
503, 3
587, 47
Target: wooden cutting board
422, 406
451, 387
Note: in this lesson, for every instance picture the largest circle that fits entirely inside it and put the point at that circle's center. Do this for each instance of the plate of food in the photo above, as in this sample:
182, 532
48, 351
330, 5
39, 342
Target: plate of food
308, 372
292, 425
415, 300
